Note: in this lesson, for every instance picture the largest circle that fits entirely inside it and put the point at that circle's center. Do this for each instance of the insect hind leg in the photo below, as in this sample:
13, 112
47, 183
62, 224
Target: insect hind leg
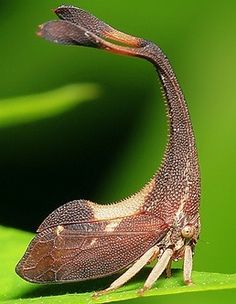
131, 272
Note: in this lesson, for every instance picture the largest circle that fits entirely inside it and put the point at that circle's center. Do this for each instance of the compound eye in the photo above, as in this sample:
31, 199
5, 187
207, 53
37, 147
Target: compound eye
188, 232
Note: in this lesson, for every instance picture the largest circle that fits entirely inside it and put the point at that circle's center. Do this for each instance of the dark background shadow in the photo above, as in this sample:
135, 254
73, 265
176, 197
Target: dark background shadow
50, 162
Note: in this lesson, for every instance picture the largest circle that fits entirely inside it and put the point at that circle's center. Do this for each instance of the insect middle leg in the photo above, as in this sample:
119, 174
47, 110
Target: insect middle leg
157, 270
135, 268
168, 269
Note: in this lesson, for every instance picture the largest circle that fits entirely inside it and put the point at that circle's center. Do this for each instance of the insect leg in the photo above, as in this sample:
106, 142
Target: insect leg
188, 264
168, 269
157, 270
135, 268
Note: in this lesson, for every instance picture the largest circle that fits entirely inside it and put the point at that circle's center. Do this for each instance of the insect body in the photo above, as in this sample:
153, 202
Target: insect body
82, 240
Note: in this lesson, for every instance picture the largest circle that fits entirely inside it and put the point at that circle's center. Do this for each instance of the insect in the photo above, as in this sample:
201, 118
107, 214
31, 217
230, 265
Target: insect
83, 240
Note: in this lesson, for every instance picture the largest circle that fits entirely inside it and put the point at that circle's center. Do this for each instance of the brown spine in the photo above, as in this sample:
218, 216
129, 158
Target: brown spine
178, 178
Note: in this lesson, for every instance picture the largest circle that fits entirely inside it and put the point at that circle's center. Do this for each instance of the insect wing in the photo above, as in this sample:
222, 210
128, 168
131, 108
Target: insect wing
88, 250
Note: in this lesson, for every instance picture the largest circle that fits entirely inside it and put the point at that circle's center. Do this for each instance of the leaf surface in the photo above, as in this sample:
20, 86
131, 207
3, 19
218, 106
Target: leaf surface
25, 109
15, 290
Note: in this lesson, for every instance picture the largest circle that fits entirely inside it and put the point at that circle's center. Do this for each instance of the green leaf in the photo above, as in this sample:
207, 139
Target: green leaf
25, 109
15, 290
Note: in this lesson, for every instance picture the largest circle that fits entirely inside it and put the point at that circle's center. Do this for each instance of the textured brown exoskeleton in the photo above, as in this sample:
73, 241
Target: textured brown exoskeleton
82, 240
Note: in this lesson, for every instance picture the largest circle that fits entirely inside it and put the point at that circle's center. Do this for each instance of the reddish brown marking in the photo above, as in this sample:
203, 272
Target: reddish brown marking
123, 38
64, 254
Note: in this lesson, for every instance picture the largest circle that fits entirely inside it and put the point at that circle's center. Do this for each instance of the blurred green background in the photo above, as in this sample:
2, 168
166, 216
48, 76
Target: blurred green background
108, 148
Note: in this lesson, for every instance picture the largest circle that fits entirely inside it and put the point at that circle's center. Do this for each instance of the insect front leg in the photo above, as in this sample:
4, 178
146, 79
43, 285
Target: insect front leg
135, 268
188, 264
